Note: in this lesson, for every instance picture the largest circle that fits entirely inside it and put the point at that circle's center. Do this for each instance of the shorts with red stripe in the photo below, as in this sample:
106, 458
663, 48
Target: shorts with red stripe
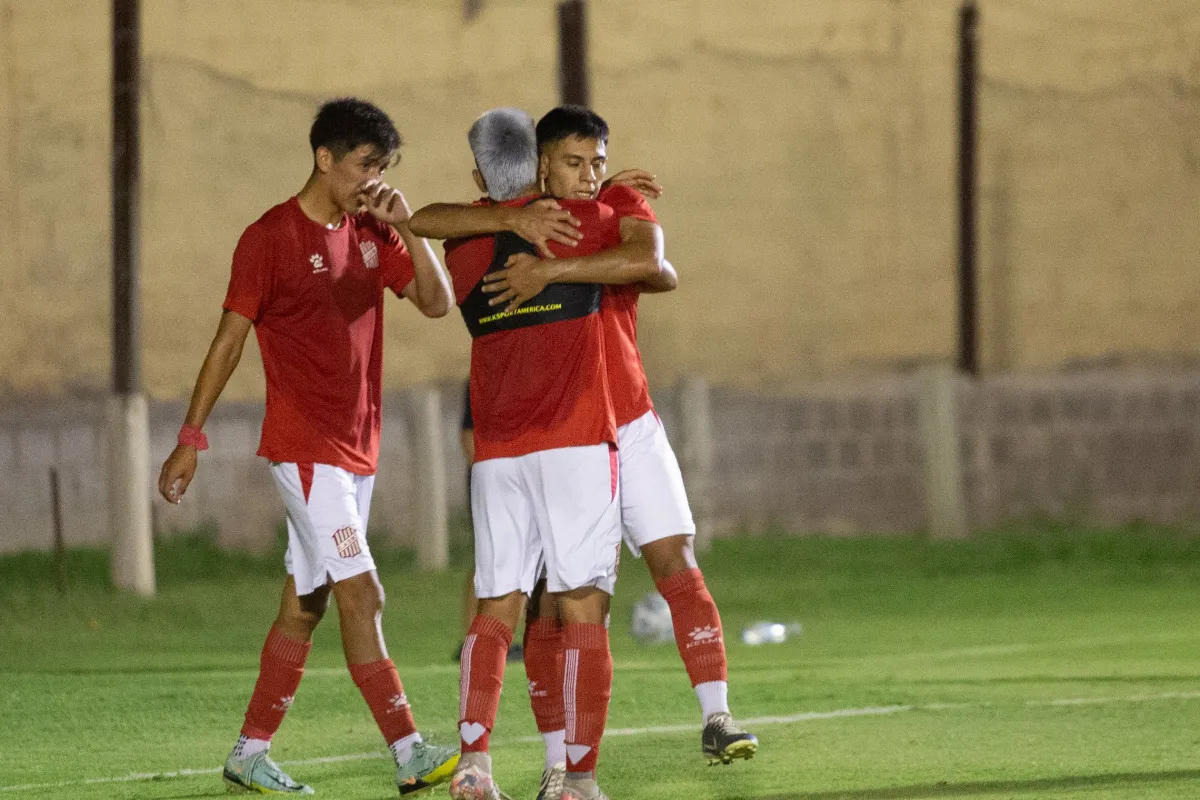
327, 511
559, 508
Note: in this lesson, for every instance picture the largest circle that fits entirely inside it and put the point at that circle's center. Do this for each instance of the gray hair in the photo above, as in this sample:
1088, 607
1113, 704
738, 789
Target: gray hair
504, 143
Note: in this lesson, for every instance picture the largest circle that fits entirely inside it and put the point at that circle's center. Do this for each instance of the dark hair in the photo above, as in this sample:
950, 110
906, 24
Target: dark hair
565, 121
347, 123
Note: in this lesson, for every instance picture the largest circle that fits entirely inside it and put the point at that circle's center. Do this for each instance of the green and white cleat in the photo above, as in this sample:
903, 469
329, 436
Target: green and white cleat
258, 773
722, 741
552, 782
429, 766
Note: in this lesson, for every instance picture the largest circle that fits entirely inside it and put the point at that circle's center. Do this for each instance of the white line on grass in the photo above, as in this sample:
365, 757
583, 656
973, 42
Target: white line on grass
980, 651
807, 716
841, 713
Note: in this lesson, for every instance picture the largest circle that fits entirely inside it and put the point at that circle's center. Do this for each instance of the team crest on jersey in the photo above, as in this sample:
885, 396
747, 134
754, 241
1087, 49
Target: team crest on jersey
370, 254
318, 263
346, 541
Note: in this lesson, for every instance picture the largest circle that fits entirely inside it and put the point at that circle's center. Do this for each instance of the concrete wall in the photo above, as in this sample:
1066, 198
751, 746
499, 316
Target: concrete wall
807, 147
839, 457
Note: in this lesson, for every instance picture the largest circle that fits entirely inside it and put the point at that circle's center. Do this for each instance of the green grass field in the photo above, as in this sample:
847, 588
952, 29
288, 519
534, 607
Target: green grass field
1021, 663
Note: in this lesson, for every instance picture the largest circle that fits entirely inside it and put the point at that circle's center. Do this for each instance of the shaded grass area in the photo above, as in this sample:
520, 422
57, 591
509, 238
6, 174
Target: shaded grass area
1027, 662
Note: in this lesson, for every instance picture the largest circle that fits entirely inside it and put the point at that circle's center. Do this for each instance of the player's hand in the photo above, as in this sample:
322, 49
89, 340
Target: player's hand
385, 203
521, 280
638, 179
177, 472
545, 221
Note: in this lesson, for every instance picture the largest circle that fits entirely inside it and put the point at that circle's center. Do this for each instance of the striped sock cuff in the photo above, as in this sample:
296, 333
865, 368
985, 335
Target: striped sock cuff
585, 636
289, 651
483, 625
361, 673
543, 628
686, 581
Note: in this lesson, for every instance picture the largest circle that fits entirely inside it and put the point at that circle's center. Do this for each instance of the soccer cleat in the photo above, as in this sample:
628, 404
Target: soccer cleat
429, 766
582, 789
552, 782
722, 741
258, 773
473, 779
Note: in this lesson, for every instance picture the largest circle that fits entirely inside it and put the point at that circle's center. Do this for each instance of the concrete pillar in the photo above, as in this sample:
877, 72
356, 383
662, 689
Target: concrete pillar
432, 524
696, 453
128, 423
945, 498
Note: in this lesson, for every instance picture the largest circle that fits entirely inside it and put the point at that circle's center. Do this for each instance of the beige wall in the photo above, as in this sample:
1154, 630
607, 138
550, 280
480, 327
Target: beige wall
807, 147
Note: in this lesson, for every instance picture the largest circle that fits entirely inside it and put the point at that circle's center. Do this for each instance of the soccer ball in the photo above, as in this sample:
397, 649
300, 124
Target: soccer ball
651, 622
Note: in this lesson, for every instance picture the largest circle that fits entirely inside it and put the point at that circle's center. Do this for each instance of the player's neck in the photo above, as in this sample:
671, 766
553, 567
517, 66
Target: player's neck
317, 204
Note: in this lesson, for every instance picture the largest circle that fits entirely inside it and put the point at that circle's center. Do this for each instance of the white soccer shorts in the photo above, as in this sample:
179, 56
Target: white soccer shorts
560, 508
654, 504
327, 511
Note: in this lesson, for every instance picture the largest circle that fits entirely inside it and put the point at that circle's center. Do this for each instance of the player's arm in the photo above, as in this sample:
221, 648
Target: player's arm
223, 356
639, 258
667, 280
429, 290
537, 223
640, 180
646, 183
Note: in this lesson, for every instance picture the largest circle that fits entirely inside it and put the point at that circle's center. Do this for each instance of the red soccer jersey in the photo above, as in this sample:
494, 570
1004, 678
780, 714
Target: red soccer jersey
544, 386
315, 295
626, 376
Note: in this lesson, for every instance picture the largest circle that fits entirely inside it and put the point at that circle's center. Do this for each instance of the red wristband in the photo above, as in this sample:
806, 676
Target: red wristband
190, 434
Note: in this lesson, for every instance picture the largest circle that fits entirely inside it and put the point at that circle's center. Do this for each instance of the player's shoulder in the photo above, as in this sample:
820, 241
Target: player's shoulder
620, 194
627, 202
276, 217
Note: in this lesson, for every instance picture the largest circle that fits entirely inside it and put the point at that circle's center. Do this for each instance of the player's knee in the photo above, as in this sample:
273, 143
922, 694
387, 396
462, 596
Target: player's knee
506, 608
586, 605
360, 596
299, 622
669, 556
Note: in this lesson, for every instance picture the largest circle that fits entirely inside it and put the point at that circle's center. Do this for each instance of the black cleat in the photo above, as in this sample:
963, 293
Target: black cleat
722, 741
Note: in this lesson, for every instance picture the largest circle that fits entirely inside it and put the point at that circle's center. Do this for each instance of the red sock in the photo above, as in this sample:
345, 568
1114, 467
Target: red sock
481, 673
280, 669
587, 687
544, 668
380, 685
697, 625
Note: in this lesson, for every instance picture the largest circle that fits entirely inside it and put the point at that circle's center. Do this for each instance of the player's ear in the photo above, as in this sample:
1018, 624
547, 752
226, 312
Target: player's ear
543, 167
478, 176
324, 158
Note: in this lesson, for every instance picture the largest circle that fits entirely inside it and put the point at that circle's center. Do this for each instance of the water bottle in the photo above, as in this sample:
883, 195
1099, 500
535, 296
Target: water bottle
770, 632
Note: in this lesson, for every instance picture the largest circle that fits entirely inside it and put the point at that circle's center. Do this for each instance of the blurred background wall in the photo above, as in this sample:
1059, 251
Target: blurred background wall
808, 150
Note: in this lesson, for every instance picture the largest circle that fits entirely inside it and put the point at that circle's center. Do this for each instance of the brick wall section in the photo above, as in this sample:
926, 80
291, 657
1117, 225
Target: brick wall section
1105, 447
233, 487
839, 458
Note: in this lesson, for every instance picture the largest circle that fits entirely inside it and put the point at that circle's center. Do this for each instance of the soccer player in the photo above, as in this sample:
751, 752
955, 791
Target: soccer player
466, 440
655, 514
309, 277
544, 482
